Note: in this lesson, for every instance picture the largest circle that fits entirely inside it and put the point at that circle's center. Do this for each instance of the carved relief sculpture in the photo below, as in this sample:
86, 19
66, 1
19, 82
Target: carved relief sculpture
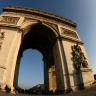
11, 20
1, 38
69, 33
2, 35
79, 59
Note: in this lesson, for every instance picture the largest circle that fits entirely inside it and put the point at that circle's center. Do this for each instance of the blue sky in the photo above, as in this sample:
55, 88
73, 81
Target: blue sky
82, 12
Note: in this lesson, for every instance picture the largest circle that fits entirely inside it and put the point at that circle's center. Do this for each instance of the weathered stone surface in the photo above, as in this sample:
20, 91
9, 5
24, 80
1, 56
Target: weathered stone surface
23, 28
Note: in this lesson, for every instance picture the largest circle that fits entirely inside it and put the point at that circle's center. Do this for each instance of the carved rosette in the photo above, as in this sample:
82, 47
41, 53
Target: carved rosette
10, 20
79, 59
69, 33
1, 38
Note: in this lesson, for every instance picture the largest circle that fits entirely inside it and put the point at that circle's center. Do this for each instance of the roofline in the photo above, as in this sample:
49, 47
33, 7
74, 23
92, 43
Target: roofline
32, 11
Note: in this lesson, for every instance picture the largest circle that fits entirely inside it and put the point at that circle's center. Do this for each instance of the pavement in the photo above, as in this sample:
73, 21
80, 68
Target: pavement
90, 91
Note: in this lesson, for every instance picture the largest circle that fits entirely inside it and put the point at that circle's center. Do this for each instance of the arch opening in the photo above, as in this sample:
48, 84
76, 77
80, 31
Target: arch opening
41, 38
31, 69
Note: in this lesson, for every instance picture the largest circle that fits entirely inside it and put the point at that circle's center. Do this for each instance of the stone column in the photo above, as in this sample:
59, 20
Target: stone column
66, 73
61, 66
49, 75
50, 79
46, 78
9, 56
17, 71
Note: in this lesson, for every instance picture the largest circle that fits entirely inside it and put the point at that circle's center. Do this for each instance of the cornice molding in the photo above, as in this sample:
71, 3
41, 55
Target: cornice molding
70, 40
39, 13
11, 27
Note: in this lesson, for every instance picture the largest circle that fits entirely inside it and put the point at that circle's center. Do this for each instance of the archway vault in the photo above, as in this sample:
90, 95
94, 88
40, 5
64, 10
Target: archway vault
39, 37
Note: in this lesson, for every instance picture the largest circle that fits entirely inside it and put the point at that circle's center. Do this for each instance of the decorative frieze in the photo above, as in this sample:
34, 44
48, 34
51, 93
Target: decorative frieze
11, 20
1, 38
29, 19
69, 33
79, 60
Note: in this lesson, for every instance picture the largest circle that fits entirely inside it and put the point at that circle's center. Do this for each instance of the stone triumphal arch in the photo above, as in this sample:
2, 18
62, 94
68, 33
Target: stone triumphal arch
66, 64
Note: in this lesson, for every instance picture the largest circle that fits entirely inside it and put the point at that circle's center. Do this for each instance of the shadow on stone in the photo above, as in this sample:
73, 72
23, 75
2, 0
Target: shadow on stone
7, 89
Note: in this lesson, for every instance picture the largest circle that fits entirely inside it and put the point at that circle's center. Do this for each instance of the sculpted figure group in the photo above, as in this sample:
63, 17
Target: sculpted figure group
1, 38
79, 59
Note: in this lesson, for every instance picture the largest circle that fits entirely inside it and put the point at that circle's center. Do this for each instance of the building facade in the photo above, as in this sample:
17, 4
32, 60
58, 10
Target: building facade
66, 64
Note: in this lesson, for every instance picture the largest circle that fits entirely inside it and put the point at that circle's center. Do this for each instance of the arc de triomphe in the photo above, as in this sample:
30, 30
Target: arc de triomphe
66, 63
